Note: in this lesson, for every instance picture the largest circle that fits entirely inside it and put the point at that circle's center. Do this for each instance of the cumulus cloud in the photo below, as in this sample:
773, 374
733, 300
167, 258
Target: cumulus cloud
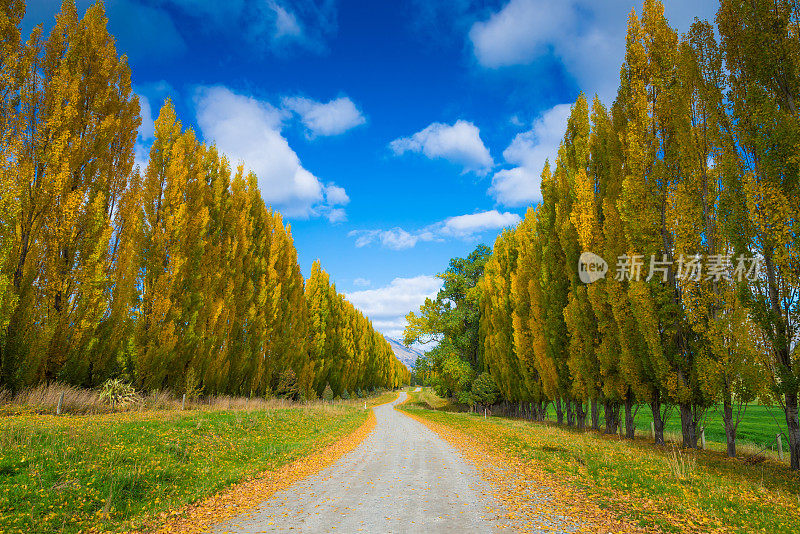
459, 143
248, 130
387, 306
528, 151
460, 226
520, 31
324, 119
336, 195
588, 37
469, 225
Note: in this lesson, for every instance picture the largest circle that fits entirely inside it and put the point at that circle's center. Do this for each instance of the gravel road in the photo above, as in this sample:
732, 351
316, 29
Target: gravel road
402, 478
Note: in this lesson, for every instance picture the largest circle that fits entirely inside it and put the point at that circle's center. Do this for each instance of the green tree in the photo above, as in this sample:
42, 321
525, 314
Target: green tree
762, 56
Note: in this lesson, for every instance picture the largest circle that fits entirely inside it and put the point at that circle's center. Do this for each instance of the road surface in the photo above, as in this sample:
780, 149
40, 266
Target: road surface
402, 478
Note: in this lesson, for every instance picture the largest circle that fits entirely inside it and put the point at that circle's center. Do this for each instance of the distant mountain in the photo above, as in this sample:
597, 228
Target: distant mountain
407, 355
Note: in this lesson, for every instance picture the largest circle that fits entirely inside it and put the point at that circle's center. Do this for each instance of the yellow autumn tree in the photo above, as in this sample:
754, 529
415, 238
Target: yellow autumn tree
72, 160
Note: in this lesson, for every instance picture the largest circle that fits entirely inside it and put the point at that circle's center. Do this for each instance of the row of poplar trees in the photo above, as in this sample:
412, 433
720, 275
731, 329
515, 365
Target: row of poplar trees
177, 270
697, 155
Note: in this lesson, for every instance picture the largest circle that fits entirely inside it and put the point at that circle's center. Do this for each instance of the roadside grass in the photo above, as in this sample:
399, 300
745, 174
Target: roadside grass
756, 433
46, 398
757, 430
115, 472
663, 488
426, 398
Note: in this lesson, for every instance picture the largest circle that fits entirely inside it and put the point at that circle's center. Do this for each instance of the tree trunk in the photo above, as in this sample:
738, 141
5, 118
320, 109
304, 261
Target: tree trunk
581, 413
559, 412
570, 414
688, 426
727, 420
630, 424
611, 409
658, 421
793, 429
595, 415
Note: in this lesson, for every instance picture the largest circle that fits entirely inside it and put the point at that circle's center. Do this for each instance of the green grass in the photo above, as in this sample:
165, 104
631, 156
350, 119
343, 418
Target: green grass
644, 483
119, 471
758, 427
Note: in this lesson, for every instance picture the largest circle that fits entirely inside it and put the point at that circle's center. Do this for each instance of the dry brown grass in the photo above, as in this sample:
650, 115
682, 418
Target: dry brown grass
43, 399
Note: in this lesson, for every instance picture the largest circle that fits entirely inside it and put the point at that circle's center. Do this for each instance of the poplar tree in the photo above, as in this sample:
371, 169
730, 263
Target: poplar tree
11, 59
526, 292
497, 308
761, 53
174, 220
551, 298
649, 208
72, 153
579, 316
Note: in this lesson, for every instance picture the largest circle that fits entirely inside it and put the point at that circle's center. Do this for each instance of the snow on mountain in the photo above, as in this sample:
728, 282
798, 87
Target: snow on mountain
407, 355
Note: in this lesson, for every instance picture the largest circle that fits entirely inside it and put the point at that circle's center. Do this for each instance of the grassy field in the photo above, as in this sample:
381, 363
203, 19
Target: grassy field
662, 488
115, 472
758, 427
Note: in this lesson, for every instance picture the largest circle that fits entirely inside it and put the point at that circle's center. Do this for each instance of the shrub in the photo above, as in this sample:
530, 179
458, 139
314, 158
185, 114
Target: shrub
359, 393
117, 393
327, 394
485, 390
465, 397
345, 395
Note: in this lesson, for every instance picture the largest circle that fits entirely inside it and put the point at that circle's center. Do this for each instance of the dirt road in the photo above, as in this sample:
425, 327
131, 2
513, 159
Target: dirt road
402, 478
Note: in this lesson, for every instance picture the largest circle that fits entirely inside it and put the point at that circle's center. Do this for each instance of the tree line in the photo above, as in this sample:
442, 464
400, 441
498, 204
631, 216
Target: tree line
693, 169
173, 275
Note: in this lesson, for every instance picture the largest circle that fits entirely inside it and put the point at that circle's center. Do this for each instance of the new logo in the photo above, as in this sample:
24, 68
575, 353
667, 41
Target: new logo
591, 267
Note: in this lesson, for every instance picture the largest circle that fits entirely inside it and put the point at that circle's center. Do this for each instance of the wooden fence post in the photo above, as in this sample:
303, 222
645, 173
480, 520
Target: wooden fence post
652, 430
60, 403
183, 402
780, 447
703, 437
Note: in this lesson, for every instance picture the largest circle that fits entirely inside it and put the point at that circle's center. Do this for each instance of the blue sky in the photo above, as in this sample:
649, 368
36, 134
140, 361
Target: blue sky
392, 135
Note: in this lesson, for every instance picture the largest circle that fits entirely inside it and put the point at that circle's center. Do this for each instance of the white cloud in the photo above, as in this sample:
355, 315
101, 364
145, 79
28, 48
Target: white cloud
387, 306
459, 143
249, 130
286, 24
323, 119
336, 195
522, 30
335, 215
528, 151
395, 238
141, 155
148, 128
362, 282
468, 225
460, 226
586, 36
